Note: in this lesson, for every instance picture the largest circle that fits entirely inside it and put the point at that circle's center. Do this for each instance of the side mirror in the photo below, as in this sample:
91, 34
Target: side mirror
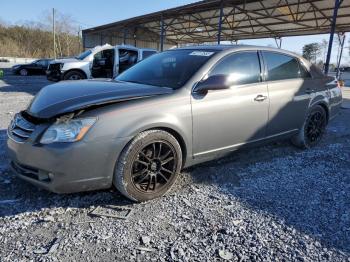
215, 82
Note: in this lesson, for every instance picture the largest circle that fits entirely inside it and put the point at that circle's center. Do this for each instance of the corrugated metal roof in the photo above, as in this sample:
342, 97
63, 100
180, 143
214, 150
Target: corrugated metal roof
242, 19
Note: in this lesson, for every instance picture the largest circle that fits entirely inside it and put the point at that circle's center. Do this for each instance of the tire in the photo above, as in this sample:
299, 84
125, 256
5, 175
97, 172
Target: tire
139, 173
74, 75
313, 128
23, 72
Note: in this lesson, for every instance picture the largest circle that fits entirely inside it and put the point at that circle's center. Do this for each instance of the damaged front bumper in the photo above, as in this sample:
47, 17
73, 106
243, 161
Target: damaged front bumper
54, 75
65, 167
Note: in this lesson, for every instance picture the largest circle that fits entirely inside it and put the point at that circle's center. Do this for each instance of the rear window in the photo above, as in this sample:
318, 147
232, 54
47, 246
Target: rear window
281, 66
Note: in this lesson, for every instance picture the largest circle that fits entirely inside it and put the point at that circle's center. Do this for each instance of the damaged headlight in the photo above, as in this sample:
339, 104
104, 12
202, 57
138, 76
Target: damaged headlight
67, 131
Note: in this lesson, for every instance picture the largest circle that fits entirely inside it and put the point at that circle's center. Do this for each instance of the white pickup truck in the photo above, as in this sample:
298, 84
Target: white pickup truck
100, 62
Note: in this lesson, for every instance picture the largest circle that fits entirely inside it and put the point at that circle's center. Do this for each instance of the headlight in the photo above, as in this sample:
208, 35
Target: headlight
69, 131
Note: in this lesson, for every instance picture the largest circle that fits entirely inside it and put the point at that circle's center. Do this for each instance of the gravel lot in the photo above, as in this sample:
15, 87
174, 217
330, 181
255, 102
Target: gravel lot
271, 203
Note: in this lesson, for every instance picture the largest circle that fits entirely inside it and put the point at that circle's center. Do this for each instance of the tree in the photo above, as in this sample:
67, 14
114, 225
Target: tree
34, 39
311, 51
324, 49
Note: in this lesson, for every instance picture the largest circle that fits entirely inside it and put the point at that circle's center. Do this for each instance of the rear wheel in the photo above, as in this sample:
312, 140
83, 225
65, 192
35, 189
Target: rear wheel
148, 165
313, 128
23, 72
74, 75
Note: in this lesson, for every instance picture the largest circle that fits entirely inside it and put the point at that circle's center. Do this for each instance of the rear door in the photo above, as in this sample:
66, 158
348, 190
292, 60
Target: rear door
290, 88
225, 119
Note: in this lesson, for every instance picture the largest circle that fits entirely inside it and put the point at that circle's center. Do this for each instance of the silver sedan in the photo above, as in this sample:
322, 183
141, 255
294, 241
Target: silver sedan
172, 110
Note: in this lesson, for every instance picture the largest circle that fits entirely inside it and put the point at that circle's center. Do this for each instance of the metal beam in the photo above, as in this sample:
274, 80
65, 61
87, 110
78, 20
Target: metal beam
331, 36
278, 41
220, 22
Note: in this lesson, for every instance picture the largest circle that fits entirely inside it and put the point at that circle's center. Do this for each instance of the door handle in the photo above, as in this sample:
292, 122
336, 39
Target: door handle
260, 98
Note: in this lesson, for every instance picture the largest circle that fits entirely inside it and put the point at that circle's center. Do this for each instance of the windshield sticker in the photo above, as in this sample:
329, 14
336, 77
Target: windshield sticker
201, 53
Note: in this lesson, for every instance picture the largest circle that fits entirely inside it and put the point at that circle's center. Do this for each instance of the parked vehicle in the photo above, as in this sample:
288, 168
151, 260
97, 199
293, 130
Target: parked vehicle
173, 110
100, 62
37, 67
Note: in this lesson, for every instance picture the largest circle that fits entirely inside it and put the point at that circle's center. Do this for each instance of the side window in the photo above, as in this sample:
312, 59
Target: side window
43, 63
281, 66
241, 68
303, 71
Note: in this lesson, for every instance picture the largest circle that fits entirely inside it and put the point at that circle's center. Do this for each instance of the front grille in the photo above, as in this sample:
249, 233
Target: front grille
20, 128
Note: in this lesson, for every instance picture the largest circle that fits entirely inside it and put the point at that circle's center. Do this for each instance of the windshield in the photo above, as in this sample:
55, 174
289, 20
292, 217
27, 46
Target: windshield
168, 69
83, 55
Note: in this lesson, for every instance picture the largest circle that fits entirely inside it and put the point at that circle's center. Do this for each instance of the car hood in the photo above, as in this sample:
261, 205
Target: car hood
68, 96
65, 60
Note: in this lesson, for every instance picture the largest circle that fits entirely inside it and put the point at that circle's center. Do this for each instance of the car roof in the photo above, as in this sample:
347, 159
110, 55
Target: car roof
237, 47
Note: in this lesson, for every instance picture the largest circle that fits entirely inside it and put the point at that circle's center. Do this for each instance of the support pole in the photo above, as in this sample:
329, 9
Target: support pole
220, 22
331, 36
161, 33
135, 36
54, 32
124, 36
342, 41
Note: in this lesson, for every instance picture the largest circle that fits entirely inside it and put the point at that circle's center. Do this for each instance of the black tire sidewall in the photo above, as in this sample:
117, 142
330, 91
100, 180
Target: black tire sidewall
310, 114
122, 176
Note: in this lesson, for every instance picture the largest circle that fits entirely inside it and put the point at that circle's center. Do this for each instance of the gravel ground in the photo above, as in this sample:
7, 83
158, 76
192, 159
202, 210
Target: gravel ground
272, 203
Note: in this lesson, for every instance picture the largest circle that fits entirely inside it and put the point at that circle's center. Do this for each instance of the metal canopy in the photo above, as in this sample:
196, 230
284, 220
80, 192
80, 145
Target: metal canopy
240, 19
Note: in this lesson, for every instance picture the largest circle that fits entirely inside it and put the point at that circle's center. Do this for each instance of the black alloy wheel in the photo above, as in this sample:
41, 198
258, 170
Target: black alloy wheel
148, 165
315, 127
154, 166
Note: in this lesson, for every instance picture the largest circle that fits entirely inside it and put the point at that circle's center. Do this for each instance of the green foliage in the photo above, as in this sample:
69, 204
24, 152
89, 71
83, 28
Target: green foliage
26, 41
312, 51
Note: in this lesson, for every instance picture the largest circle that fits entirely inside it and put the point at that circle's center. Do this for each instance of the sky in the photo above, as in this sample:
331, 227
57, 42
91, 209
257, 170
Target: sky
90, 13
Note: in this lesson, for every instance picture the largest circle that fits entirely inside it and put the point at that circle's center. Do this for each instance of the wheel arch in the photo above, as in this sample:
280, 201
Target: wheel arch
177, 136
323, 102
75, 69
324, 106
171, 130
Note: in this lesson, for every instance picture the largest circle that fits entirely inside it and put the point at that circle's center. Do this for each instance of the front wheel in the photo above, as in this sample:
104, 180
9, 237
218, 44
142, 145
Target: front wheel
74, 75
313, 128
148, 166
23, 72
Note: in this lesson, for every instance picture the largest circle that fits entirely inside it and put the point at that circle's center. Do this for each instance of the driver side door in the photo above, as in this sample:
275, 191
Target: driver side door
226, 119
